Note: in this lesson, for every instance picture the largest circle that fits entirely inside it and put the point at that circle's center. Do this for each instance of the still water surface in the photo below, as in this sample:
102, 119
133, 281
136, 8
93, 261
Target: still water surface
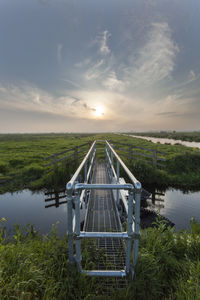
168, 141
177, 206
23, 207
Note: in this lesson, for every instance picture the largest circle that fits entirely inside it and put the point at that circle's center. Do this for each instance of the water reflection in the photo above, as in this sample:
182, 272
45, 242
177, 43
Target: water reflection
25, 206
155, 200
176, 205
57, 197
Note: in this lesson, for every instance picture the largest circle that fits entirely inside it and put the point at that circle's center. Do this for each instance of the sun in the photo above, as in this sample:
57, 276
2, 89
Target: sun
99, 111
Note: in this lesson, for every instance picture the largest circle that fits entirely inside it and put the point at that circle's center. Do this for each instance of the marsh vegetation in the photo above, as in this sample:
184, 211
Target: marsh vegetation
22, 163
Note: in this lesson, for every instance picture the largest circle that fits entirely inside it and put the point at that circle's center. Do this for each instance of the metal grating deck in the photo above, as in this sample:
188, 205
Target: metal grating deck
103, 216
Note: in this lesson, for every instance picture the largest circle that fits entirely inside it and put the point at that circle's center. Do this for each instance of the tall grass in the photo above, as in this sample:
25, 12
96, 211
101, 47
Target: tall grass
36, 267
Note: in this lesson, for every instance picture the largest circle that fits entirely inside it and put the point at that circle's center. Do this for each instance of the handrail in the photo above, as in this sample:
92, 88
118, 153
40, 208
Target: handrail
75, 196
70, 184
136, 183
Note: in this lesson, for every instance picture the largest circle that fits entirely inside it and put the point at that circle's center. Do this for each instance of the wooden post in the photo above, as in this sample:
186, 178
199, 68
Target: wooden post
130, 154
76, 156
55, 161
155, 158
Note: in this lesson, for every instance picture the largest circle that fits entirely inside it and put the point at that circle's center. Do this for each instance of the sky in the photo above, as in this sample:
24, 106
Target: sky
99, 65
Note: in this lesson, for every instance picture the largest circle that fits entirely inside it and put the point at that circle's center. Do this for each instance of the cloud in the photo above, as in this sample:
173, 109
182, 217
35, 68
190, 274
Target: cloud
167, 113
145, 66
73, 83
102, 42
59, 53
87, 107
112, 83
95, 70
83, 63
192, 75
29, 98
156, 59
104, 49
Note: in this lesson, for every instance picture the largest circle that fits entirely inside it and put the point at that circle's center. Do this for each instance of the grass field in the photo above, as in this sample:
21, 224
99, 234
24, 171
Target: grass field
36, 267
22, 161
33, 266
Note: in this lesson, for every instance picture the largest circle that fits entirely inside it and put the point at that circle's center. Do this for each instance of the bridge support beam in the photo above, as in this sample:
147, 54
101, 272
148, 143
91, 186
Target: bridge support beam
77, 230
129, 231
137, 225
70, 227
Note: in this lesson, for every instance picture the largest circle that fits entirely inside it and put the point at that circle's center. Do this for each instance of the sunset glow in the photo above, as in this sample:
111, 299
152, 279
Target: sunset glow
99, 111
133, 68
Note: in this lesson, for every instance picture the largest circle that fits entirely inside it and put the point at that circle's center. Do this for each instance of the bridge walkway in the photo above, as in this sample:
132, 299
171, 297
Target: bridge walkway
103, 216
107, 198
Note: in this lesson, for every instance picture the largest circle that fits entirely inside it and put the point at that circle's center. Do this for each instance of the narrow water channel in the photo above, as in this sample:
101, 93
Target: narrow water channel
166, 141
23, 207
175, 205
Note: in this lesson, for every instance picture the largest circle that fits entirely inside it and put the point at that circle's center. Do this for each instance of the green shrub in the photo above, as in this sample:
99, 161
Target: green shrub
16, 162
184, 163
4, 167
32, 172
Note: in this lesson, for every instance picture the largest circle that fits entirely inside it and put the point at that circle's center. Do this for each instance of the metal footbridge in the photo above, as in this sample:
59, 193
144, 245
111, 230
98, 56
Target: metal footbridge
112, 213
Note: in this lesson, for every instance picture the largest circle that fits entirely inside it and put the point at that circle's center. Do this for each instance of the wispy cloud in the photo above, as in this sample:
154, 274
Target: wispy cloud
167, 113
152, 62
87, 107
59, 53
113, 83
83, 63
104, 49
73, 83
26, 97
95, 70
156, 59
101, 41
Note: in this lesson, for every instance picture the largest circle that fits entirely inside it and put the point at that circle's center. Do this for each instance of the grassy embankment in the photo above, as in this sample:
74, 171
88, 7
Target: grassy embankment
22, 161
193, 136
36, 267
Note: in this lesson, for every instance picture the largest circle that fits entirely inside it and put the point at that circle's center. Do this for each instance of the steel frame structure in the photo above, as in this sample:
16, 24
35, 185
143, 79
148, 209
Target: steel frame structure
77, 192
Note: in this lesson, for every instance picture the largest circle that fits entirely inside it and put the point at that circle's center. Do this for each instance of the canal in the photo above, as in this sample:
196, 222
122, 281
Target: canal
27, 207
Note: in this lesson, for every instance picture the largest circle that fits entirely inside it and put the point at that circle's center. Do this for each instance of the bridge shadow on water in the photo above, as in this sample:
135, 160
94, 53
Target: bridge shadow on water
151, 204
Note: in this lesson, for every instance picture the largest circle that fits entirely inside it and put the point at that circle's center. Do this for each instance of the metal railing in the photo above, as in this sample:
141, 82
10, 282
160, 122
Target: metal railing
77, 192
132, 152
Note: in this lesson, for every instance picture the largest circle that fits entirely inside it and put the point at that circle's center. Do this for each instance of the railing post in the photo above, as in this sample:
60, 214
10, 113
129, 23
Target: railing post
70, 226
129, 231
130, 154
137, 225
155, 158
85, 172
111, 156
106, 147
85, 178
55, 161
77, 229
76, 155
118, 170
